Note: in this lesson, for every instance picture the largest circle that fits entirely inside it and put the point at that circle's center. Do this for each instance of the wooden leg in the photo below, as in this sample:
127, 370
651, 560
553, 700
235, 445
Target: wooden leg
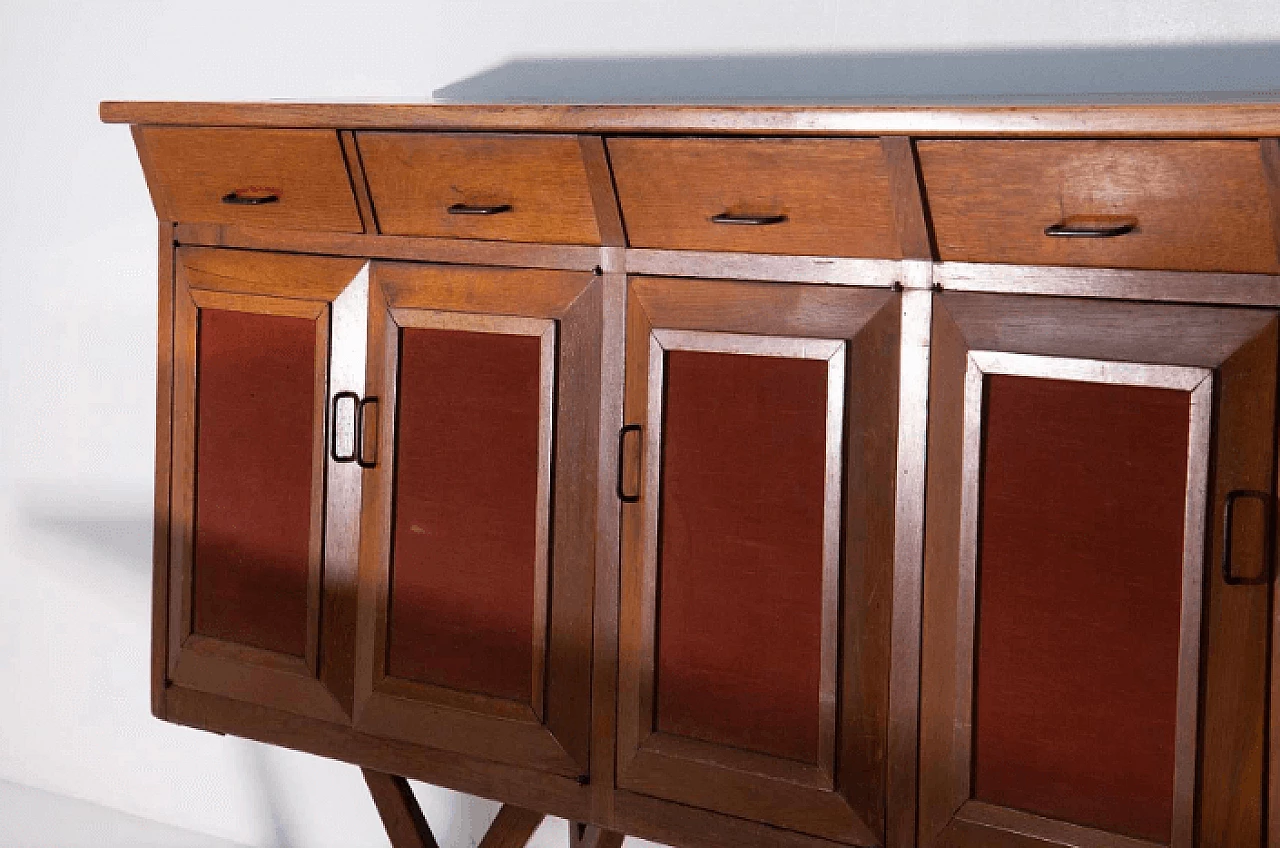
512, 828
401, 815
590, 836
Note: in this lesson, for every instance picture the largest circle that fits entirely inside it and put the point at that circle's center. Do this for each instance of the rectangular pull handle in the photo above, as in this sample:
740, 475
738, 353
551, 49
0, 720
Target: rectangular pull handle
622, 463
360, 458
1228, 524
333, 427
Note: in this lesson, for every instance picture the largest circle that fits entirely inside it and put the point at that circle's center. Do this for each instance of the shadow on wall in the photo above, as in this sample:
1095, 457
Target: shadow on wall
1240, 72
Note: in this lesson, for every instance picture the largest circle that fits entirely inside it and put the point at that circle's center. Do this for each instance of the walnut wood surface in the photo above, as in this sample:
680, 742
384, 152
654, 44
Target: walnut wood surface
193, 169
1212, 120
512, 828
1197, 206
834, 194
401, 815
1207, 209
164, 465
414, 178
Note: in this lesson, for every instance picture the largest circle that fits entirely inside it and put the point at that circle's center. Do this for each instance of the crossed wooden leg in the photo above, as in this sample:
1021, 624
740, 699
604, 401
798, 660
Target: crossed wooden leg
408, 828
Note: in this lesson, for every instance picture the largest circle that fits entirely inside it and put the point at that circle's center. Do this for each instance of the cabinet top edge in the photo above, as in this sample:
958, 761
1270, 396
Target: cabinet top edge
1116, 120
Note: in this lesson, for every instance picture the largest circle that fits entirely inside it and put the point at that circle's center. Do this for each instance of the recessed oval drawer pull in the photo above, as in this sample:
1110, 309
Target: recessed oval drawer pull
467, 209
235, 198
1065, 230
748, 220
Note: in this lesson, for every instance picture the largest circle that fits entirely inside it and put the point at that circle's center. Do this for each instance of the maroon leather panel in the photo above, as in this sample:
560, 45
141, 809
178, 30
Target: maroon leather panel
465, 527
740, 567
1080, 577
255, 410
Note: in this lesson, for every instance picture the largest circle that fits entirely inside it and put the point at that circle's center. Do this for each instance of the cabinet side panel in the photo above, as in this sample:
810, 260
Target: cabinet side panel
254, 475
1079, 598
466, 510
741, 551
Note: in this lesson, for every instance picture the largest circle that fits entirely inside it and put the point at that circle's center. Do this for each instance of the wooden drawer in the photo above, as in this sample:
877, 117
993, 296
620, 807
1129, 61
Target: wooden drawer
791, 196
503, 187
1180, 205
290, 179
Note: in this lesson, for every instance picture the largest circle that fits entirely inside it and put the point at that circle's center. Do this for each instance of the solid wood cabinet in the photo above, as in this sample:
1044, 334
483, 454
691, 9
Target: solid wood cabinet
757, 550
719, 475
1081, 457
478, 520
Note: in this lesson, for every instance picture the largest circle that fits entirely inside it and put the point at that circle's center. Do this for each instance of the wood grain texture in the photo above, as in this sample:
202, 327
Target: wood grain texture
194, 168
915, 237
436, 714
401, 815
163, 468
359, 184
1196, 206
589, 836
1269, 149
846, 802
834, 194
1111, 283
312, 278
233, 669
455, 251
1232, 756
604, 198
512, 828
414, 179
1154, 120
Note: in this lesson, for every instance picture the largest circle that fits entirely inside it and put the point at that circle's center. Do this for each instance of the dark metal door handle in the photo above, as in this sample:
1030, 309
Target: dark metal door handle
467, 209
235, 198
359, 449
333, 427
622, 462
1065, 230
1228, 520
748, 220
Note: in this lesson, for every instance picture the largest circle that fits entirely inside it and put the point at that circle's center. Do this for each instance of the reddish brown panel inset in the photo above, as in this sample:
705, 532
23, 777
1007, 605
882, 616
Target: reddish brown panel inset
466, 511
740, 551
256, 409
1079, 599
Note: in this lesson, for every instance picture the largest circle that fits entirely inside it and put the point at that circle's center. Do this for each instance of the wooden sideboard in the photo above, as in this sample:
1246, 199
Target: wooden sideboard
730, 476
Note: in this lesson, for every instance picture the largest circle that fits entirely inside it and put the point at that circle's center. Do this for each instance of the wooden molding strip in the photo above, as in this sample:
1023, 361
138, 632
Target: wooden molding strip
443, 250
604, 198
1119, 284
1269, 148
907, 193
1168, 120
359, 184
881, 273
401, 815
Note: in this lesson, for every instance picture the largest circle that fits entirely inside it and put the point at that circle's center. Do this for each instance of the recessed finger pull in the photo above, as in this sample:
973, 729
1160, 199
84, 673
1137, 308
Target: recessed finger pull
1229, 575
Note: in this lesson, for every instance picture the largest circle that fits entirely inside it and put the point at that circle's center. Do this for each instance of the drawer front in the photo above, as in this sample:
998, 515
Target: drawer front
1192, 206
790, 196
290, 179
502, 187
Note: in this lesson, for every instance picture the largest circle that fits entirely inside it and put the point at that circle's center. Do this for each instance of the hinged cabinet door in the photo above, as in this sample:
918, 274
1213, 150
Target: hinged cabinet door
252, 567
1097, 557
478, 547
757, 566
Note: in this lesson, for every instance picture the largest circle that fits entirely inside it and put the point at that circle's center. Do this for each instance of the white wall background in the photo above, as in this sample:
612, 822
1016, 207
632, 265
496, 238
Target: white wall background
77, 327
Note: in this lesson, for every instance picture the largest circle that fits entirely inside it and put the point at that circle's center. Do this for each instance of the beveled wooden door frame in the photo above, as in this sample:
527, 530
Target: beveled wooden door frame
318, 290
1174, 347
838, 326
561, 310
